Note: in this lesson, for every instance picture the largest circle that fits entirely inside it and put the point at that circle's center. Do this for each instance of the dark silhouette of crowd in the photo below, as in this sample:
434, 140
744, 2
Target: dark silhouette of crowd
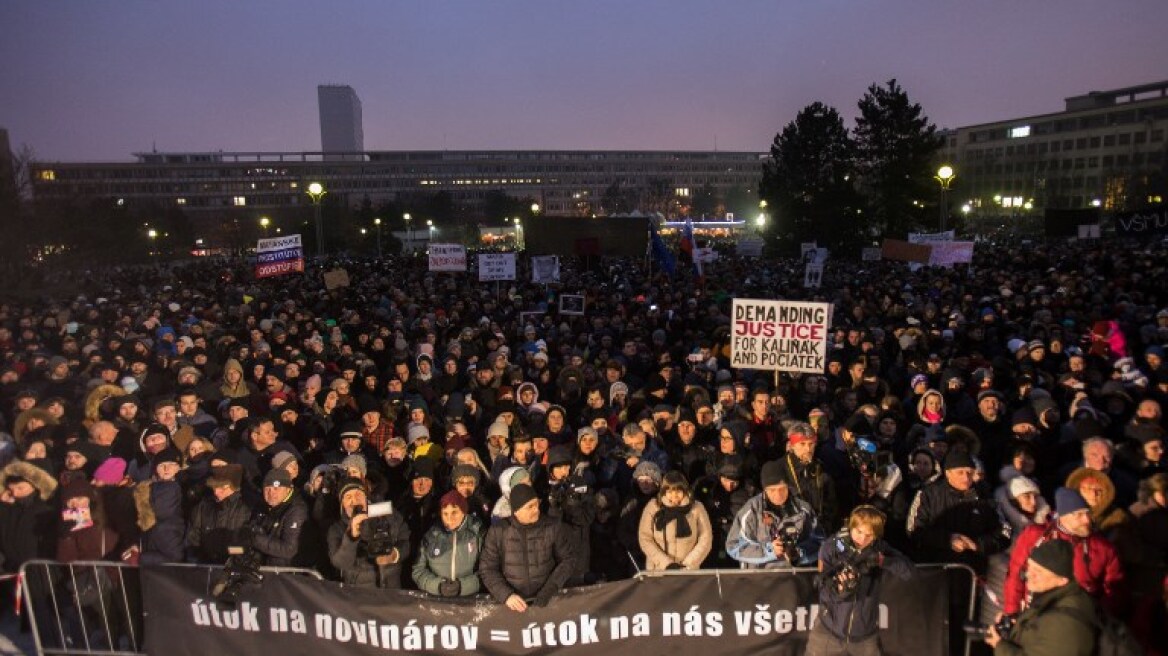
422, 430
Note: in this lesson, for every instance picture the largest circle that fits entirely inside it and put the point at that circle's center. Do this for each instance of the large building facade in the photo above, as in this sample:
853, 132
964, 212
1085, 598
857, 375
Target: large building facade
1106, 149
342, 133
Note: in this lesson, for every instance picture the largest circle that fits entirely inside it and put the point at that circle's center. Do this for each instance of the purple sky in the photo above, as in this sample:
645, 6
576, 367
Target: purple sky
83, 80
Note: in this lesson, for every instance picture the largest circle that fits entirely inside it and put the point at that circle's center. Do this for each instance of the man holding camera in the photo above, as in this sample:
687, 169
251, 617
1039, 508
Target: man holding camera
1061, 617
775, 529
849, 586
367, 551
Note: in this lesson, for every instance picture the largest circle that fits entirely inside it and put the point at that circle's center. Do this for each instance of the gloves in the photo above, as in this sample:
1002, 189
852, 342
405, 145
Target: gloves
449, 588
543, 598
674, 566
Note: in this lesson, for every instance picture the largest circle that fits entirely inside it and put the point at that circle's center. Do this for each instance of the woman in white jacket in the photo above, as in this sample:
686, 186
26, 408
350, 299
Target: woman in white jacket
675, 532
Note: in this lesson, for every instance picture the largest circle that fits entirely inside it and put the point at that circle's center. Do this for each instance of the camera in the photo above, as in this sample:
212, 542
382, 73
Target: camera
788, 536
378, 532
242, 567
862, 456
848, 576
1003, 626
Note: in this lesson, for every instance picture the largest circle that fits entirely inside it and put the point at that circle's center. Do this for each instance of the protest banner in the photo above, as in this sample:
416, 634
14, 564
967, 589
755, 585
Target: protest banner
447, 257
730, 612
779, 335
749, 246
496, 266
813, 275
948, 253
1089, 231
1148, 222
903, 251
545, 269
279, 255
930, 237
870, 254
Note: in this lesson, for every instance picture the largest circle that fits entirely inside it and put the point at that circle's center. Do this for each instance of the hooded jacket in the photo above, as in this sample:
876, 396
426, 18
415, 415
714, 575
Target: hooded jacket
756, 527
1106, 516
28, 527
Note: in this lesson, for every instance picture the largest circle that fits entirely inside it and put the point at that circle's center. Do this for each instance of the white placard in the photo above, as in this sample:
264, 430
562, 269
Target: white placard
805, 248
705, 254
545, 269
750, 246
1089, 231
813, 275
496, 266
928, 237
779, 335
447, 257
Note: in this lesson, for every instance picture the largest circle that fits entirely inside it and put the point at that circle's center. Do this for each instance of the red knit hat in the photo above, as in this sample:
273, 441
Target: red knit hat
453, 498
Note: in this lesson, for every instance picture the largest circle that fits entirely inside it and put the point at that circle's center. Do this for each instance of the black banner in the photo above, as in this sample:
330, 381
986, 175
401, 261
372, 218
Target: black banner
1065, 223
709, 613
1151, 222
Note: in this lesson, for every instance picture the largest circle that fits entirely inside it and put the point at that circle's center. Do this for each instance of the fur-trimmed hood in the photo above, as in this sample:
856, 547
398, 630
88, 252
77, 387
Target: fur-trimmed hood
39, 478
146, 517
96, 398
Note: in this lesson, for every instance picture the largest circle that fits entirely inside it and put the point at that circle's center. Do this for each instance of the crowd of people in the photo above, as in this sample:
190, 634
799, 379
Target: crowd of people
420, 430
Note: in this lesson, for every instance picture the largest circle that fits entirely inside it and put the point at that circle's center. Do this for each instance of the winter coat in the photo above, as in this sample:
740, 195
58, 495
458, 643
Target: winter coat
357, 566
1060, 622
1107, 516
663, 548
756, 527
28, 527
530, 560
215, 526
278, 531
160, 518
940, 510
1097, 567
95, 542
855, 616
447, 555
813, 485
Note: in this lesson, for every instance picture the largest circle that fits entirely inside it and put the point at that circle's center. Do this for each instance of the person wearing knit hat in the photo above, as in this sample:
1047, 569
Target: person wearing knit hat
1021, 503
449, 551
166, 464
646, 470
1061, 618
774, 529
355, 466
110, 473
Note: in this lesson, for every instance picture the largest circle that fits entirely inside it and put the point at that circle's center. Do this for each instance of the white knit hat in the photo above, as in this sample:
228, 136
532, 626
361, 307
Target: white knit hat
1020, 485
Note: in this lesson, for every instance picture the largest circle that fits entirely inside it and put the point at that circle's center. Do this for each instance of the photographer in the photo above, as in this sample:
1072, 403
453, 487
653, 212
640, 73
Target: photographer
850, 564
775, 529
277, 526
367, 553
570, 500
1061, 617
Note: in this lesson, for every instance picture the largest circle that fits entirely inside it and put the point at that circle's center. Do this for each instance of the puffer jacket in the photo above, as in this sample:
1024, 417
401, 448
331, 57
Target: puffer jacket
357, 566
1097, 567
278, 531
447, 555
940, 510
531, 560
160, 518
1061, 621
215, 526
663, 548
756, 527
855, 616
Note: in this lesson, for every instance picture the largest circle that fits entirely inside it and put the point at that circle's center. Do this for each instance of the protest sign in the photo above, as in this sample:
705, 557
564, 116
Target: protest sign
1089, 231
870, 254
749, 246
813, 275
545, 269
903, 251
447, 257
336, 278
572, 304
948, 253
496, 266
779, 335
929, 237
805, 248
279, 255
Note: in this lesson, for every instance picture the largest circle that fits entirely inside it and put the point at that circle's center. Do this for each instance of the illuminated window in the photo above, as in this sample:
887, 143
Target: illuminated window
181, 201
48, 174
239, 201
682, 191
295, 185
1020, 131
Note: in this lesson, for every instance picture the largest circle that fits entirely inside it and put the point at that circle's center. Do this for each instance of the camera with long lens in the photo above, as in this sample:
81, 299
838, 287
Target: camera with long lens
848, 576
242, 568
1003, 626
788, 536
378, 532
862, 456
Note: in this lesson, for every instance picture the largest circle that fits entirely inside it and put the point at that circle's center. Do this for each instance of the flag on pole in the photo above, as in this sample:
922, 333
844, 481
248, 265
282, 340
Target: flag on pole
660, 252
689, 246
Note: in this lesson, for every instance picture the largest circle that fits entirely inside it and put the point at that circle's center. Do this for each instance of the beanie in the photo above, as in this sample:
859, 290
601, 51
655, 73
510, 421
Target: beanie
957, 459
278, 477
521, 495
1067, 501
356, 461
110, 472
349, 485
453, 498
169, 454
773, 474
645, 469
1057, 556
559, 455
416, 432
1020, 485
282, 459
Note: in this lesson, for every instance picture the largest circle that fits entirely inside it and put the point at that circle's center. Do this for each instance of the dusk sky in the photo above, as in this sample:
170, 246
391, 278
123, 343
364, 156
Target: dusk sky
96, 81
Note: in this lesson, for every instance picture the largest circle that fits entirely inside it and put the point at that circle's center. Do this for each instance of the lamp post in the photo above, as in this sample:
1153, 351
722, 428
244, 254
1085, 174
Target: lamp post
377, 224
430, 225
518, 234
409, 230
945, 176
264, 223
316, 192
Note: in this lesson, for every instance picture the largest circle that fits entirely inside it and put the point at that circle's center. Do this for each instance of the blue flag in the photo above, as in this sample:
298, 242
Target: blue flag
661, 254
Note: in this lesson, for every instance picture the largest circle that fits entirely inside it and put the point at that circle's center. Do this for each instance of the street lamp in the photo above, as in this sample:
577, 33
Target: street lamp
377, 223
316, 192
264, 223
518, 234
535, 208
945, 176
409, 229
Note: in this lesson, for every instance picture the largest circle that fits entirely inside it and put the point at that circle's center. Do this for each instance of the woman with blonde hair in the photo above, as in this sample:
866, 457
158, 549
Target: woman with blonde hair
675, 532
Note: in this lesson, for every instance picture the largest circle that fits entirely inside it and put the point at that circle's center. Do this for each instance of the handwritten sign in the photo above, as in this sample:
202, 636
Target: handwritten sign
447, 257
779, 335
496, 266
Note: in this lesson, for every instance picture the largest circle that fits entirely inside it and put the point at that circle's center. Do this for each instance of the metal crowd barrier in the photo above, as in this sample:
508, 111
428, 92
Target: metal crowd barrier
72, 609
93, 607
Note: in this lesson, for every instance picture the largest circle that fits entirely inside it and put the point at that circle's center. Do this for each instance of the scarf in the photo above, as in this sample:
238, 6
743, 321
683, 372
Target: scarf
674, 514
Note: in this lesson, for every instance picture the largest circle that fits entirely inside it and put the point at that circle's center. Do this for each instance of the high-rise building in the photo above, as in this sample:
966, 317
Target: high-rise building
341, 134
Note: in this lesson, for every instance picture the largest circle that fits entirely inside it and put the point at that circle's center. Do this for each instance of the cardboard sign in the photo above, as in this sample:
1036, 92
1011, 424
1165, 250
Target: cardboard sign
336, 279
496, 266
779, 335
447, 257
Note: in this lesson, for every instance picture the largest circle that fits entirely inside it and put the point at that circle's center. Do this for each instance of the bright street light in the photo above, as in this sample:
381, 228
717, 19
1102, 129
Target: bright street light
761, 220
152, 233
535, 208
945, 176
316, 192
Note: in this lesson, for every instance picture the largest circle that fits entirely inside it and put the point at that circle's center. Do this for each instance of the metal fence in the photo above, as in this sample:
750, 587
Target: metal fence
96, 607
93, 607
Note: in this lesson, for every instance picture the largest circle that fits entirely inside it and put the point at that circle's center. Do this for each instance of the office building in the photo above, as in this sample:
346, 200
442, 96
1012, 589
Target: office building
341, 133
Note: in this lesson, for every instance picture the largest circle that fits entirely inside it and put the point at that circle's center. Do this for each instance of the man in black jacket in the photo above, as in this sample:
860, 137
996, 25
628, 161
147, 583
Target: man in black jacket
219, 521
528, 556
278, 525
